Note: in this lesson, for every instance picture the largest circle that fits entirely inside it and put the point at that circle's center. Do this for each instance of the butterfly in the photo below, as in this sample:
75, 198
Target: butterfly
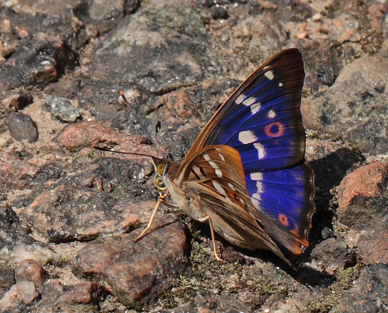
246, 174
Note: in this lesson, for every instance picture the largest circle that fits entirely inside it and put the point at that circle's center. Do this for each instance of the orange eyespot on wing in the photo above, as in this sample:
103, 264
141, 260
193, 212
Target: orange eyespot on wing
275, 129
283, 219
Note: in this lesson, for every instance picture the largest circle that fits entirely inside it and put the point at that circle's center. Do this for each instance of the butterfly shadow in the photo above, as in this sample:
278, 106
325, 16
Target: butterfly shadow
329, 172
305, 275
264, 255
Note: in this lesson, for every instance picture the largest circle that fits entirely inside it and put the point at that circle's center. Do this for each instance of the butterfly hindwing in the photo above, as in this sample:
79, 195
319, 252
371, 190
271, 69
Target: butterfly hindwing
287, 196
215, 176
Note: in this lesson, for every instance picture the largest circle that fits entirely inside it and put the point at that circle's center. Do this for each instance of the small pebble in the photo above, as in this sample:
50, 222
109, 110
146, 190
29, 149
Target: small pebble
17, 102
22, 127
5, 26
316, 17
30, 270
23, 291
61, 109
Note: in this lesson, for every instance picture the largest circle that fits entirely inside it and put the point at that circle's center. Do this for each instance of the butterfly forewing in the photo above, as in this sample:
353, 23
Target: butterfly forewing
278, 82
264, 122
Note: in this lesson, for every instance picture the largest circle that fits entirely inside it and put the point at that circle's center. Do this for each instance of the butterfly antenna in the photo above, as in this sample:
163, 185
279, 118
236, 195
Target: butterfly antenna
127, 153
135, 115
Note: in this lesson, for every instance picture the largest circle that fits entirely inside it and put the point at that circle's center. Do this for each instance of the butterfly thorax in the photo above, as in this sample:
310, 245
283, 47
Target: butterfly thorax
182, 197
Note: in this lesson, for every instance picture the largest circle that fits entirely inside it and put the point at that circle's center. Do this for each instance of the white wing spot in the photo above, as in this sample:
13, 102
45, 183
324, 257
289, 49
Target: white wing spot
256, 176
206, 157
240, 99
256, 197
231, 187
213, 164
197, 171
218, 173
269, 75
271, 114
221, 157
255, 108
246, 136
219, 188
249, 101
259, 187
280, 84
260, 149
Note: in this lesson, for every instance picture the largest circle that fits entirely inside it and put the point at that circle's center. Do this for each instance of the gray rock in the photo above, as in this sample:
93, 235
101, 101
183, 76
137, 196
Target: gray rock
22, 127
355, 106
368, 293
7, 279
62, 109
333, 254
162, 47
40, 59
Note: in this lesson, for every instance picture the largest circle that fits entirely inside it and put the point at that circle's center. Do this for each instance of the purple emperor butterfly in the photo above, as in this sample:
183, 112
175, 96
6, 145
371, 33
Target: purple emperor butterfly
246, 174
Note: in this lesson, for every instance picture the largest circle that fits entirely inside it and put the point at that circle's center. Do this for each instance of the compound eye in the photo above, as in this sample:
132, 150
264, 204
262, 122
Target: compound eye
160, 169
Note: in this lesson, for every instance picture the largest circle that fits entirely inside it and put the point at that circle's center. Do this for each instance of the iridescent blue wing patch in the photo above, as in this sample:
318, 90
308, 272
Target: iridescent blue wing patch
287, 196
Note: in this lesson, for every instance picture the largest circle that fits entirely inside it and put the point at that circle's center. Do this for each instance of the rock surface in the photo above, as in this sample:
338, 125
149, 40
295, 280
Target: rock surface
70, 208
137, 272
358, 114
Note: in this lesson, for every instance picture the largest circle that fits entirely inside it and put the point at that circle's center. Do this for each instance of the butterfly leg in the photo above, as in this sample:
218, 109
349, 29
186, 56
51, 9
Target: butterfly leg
157, 205
207, 218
